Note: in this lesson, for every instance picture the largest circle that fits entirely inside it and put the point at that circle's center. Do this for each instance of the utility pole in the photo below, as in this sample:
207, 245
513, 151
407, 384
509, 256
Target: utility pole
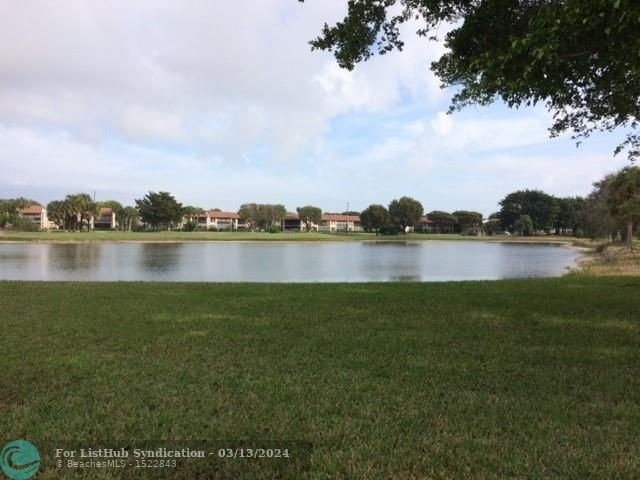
346, 223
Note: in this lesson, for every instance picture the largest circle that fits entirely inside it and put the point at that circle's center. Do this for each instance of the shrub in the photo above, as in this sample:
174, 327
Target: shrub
190, 226
19, 224
390, 230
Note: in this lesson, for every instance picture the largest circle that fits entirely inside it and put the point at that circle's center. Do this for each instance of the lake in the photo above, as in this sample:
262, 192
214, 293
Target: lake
283, 261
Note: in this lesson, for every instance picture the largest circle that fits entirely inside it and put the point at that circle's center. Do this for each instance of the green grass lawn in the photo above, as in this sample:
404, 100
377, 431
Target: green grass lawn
179, 236
535, 379
172, 236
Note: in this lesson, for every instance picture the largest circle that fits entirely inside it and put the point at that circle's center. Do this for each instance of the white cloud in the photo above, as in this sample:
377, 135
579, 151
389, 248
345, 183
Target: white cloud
117, 65
149, 124
223, 102
442, 124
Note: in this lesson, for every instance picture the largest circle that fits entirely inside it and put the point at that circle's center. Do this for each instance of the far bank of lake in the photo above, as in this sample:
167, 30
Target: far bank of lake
242, 236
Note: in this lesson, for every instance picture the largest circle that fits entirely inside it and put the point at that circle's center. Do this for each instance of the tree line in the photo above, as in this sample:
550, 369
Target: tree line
405, 213
76, 211
612, 209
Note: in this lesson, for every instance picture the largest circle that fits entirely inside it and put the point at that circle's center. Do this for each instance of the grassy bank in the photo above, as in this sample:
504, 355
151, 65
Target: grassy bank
177, 236
166, 236
535, 379
610, 259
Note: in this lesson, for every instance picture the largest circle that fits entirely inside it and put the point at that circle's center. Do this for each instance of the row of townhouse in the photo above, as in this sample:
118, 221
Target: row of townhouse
215, 219
219, 220
330, 222
105, 220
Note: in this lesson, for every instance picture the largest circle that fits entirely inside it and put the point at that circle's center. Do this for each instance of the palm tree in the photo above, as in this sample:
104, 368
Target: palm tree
129, 217
57, 213
81, 207
73, 206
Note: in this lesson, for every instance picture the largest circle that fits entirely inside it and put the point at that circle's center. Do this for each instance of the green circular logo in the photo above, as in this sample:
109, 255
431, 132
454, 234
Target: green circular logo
19, 460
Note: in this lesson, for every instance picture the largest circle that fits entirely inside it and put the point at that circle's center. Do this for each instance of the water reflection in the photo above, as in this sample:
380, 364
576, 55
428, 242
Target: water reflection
75, 257
10, 256
160, 257
283, 262
386, 243
405, 278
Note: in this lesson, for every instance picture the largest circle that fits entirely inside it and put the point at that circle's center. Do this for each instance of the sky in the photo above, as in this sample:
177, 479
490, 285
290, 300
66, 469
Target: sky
224, 103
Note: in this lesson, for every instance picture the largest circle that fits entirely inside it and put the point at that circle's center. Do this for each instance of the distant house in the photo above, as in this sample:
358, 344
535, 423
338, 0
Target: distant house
106, 219
335, 222
424, 225
214, 220
223, 220
293, 223
201, 219
38, 215
442, 222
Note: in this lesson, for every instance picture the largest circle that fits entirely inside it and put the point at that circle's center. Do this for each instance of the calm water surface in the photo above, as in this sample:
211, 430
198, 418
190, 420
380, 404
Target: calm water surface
283, 262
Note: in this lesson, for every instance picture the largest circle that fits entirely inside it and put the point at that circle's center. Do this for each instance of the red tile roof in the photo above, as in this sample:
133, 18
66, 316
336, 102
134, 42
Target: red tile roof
31, 210
336, 217
218, 214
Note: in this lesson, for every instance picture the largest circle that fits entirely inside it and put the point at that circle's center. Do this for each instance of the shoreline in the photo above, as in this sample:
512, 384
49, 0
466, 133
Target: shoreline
182, 237
608, 260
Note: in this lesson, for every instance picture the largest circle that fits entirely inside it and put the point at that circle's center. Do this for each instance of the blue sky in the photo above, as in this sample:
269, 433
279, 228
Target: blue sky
223, 103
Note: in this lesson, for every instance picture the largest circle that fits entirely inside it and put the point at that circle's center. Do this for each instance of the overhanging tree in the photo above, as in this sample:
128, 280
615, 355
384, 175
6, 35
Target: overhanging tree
579, 58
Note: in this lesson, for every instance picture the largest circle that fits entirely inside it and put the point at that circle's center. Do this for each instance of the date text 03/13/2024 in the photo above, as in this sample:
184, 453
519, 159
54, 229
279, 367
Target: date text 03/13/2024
111, 453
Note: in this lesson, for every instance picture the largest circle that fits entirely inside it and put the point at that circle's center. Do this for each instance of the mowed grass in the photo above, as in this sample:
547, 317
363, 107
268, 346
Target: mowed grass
536, 379
173, 236
179, 236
